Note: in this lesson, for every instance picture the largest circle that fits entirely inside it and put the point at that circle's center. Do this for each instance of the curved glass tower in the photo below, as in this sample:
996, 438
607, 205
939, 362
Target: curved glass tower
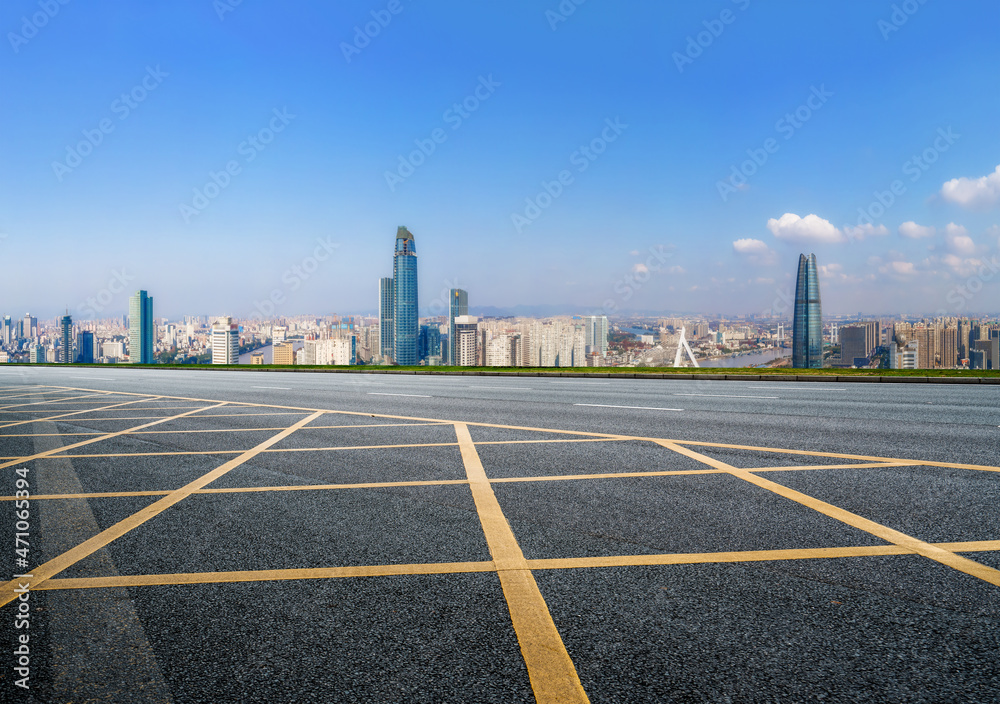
404, 276
807, 325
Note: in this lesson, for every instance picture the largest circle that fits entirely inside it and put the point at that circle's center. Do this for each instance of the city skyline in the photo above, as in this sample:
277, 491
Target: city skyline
678, 169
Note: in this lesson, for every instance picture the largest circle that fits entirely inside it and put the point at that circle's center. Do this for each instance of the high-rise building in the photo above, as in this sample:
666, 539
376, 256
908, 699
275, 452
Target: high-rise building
29, 327
458, 305
36, 354
465, 341
430, 342
386, 322
225, 342
404, 309
66, 339
8, 330
283, 353
140, 328
85, 347
857, 343
807, 324
596, 334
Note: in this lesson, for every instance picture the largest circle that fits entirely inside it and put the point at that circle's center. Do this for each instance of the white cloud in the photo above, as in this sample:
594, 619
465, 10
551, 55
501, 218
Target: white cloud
677, 270
756, 251
812, 228
640, 268
750, 246
958, 239
867, 230
902, 268
914, 231
634, 252
973, 193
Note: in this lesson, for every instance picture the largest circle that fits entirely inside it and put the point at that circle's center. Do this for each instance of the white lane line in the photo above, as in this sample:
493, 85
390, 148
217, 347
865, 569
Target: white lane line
99, 378
376, 393
281, 388
726, 396
503, 388
641, 408
791, 388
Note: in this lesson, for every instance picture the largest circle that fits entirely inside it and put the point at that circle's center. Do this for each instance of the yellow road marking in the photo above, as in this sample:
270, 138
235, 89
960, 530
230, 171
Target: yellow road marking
108, 436
67, 415
933, 552
865, 458
268, 575
66, 400
550, 669
247, 490
96, 410
610, 475
56, 565
227, 430
465, 567
860, 465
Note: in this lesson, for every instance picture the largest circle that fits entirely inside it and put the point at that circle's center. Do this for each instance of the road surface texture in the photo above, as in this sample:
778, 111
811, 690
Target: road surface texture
199, 536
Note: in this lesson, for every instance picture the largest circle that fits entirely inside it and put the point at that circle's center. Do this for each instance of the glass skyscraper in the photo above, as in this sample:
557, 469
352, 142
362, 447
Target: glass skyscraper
458, 305
807, 325
66, 339
386, 323
140, 328
404, 309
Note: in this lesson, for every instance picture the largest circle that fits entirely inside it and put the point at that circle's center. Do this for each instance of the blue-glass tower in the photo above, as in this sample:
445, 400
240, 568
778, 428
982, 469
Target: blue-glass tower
404, 278
140, 328
458, 306
807, 325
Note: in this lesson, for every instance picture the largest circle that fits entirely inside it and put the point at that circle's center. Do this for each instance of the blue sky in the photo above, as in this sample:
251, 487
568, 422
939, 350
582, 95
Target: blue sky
685, 185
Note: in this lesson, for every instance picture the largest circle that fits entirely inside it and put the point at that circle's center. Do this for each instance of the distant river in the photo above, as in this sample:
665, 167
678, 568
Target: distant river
747, 360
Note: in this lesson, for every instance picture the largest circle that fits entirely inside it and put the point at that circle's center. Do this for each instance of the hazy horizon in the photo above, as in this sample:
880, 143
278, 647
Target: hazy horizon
636, 156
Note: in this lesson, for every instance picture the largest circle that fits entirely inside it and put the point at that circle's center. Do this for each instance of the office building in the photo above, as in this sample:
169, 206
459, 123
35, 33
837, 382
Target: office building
36, 354
807, 323
404, 309
283, 353
7, 332
85, 347
140, 328
386, 321
225, 342
66, 339
596, 334
466, 341
458, 305
29, 327
858, 342
430, 342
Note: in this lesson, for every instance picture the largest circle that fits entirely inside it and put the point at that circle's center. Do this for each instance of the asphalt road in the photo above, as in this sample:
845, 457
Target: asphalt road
872, 626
